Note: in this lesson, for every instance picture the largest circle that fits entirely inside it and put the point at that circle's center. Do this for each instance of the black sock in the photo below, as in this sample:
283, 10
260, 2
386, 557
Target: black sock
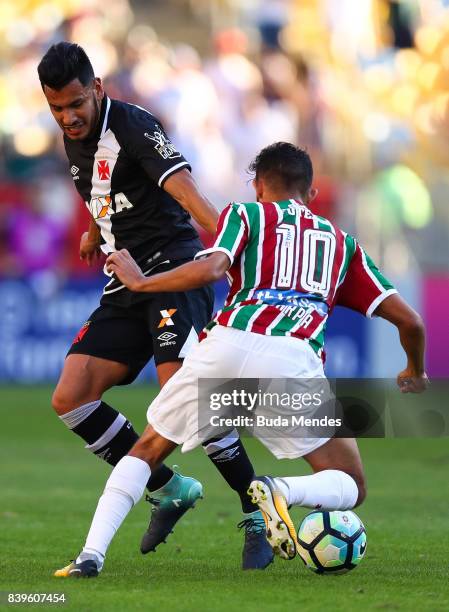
159, 477
234, 465
120, 437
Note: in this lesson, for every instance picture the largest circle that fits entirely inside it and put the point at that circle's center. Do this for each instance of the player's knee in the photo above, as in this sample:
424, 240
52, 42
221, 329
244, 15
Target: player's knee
64, 400
361, 486
61, 402
362, 495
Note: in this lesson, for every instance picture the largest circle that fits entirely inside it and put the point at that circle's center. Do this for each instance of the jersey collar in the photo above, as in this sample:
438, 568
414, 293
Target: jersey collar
102, 124
104, 115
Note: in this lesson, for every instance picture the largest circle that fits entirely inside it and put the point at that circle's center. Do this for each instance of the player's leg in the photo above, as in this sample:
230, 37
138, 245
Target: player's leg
175, 320
177, 495
338, 483
109, 350
77, 401
229, 456
124, 488
126, 484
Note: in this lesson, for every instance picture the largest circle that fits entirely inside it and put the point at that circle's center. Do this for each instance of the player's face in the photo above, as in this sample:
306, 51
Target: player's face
75, 107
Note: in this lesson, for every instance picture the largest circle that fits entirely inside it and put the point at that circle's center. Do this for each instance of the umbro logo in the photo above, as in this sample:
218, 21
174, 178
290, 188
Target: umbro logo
227, 455
167, 339
74, 171
166, 336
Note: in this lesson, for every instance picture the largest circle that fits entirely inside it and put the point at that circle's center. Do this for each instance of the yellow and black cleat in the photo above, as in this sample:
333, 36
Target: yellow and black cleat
281, 533
85, 569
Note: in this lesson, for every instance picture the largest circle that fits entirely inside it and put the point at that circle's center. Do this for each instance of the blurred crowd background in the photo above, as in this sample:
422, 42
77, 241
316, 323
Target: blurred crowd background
362, 84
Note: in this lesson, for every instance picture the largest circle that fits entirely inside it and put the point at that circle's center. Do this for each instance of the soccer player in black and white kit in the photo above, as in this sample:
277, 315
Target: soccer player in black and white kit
140, 194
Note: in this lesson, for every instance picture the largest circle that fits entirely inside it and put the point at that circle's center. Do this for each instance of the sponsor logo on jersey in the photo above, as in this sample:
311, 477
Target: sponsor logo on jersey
227, 455
103, 170
105, 206
101, 207
163, 146
80, 335
167, 339
167, 317
74, 171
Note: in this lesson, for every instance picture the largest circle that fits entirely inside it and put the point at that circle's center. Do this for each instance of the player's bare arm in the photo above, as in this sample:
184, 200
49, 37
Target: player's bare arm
412, 336
191, 275
90, 243
183, 188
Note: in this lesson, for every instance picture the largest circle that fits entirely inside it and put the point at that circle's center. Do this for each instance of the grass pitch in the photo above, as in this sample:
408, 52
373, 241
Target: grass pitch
50, 486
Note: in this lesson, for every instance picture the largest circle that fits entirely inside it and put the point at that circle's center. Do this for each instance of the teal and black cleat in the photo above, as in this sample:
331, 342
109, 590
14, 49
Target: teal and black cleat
257, 552
170, 503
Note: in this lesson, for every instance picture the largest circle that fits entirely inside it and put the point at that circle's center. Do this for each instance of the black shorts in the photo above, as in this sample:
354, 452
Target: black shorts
162, 326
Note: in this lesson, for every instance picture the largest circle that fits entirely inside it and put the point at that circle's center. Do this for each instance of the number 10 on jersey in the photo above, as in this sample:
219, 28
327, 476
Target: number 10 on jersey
315, 261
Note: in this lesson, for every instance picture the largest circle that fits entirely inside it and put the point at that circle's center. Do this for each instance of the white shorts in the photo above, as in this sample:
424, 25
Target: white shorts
229, 353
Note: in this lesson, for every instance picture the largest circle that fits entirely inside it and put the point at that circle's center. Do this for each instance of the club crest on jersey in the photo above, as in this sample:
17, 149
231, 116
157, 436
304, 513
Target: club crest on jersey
163, 145
167, 317
104, 173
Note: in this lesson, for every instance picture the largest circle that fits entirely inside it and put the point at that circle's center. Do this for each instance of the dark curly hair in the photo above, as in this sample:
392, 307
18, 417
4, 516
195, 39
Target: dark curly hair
63, 63
285, 166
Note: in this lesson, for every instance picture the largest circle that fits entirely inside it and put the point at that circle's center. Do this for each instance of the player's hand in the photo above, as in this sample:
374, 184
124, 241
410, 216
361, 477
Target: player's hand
125, 268
89, 249
409, 382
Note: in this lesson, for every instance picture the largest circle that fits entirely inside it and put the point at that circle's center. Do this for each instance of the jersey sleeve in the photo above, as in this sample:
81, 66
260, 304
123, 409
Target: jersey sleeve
147, 142
231, 235
364, 287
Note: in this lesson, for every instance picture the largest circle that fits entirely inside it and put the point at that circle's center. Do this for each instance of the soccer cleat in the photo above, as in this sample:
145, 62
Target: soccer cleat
281, 533
170, 503
89, 568
256, 553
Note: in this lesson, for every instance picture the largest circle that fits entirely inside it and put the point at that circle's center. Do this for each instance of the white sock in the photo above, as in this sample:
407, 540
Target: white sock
124, 488
327, 490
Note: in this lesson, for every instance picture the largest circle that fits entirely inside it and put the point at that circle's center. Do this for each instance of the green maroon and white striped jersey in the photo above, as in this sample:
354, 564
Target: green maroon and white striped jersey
289, 268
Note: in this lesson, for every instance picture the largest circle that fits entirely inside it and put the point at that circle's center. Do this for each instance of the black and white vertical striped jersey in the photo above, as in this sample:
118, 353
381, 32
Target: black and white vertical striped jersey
120, 172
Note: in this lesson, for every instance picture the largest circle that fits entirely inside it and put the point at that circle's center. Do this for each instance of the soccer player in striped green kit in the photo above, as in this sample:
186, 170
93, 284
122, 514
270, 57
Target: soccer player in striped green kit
288, 268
